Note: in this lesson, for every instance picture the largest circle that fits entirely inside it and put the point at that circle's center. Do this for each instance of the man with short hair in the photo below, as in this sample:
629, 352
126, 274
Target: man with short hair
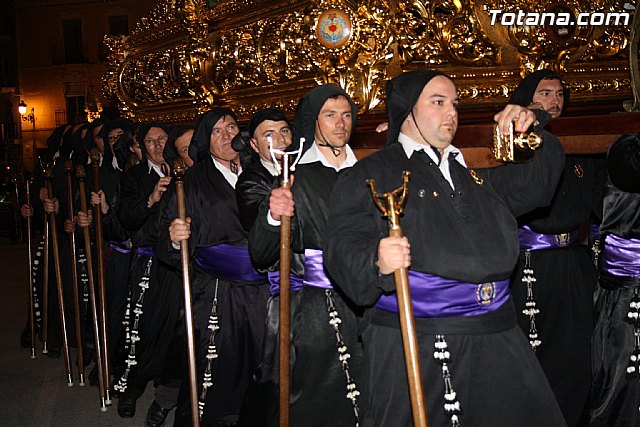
229, 296
554, 280
460, 247
326, 351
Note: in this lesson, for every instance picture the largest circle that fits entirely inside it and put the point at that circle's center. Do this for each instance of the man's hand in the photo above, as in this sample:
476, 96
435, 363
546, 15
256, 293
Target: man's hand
158, 190
99, 199
69, 226
84, 218
179, 230
522, 117
382, 127
281, 203
26, 210
393, 254
43, 194
51, 205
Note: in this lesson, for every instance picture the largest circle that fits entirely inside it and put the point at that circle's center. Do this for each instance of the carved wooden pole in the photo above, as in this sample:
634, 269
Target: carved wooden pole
80, 174
392, 208
68, 169
102, 295
56, 264
178, 171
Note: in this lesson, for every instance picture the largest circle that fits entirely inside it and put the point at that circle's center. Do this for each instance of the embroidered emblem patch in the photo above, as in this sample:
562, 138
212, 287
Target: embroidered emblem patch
562, 240
577, 169
334, 28
486, 293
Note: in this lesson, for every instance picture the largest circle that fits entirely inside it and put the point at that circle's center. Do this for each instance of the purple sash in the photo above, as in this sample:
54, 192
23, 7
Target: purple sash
435, 296
621, 256
274, 282
314, 274
227, 262
122, 247
146, 251
531, 240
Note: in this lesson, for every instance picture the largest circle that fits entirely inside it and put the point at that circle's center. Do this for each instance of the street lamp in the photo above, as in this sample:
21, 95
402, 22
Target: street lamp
31, 117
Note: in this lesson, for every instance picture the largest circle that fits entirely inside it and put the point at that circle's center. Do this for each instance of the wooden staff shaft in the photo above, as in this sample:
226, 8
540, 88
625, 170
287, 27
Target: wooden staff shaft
56, 264
104, 336
32, 320
74, 277
407, 327
92, 294
45, 288
285, 314
188, 314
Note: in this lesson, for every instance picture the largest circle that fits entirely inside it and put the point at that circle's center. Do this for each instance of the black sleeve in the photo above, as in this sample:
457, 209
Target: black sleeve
133, 211
251, 192
351, 242
165, 250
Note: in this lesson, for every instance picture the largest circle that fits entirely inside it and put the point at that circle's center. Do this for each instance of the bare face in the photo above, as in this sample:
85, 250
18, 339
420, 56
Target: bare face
222, 133
550, 95
154, 142
335, 122
278, 132
182, 145
435, 113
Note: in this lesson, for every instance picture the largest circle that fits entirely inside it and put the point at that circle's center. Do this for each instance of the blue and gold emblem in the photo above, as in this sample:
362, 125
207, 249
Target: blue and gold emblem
486, 293
562, 240
334, 28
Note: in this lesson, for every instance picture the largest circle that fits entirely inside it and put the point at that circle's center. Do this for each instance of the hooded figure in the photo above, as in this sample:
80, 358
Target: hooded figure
201, 140
523, 95
142, 131
623, 163
170, 149
402, 94
309, 108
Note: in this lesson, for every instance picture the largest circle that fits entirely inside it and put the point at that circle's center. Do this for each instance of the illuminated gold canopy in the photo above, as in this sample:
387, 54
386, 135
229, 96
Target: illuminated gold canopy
190, 55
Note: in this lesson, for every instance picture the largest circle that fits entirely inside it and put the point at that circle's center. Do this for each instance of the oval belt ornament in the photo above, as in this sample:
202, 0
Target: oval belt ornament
486, 293
562, 240
334, 28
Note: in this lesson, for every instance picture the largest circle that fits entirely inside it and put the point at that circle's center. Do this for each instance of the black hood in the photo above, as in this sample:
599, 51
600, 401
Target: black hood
200, 143
523, 95
403, 92
304, 124
170, 150
623, 163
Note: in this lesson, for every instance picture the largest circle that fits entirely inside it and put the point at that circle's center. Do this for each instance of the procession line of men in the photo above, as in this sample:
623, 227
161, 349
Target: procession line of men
494, 255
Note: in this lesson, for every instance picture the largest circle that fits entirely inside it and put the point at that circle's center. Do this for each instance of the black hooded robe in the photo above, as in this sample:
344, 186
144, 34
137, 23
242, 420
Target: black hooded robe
615, 393
565, 276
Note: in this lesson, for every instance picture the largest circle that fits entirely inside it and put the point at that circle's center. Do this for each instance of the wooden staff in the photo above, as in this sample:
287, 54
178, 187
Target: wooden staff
391, 208
32, 320
80, 174
285, 280
97, 214
178, 172
56, 264
45, 288
68, 169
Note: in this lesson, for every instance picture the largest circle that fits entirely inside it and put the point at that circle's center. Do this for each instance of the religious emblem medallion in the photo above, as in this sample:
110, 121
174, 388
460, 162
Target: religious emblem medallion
562, 240
486, 293
475, 177
334, 28
577, 169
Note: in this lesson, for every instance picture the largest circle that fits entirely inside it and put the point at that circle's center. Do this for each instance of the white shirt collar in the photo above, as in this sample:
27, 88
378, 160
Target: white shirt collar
231, 177
314, 154
269, 166
155, 168
410, 146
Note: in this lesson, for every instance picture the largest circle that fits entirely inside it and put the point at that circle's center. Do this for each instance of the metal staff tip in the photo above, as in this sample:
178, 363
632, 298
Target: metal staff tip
286, 167
395, 200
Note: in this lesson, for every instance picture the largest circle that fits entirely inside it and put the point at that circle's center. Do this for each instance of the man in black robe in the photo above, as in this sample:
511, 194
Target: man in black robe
477, 368
326, 352
154, 302
556, 310
615, 389
229, 296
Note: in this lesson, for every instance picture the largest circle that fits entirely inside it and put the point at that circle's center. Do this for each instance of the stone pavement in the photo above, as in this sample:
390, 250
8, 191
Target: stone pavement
34, 392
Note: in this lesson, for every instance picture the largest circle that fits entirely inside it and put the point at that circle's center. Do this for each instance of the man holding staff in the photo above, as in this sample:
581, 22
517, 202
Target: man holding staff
477, 367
